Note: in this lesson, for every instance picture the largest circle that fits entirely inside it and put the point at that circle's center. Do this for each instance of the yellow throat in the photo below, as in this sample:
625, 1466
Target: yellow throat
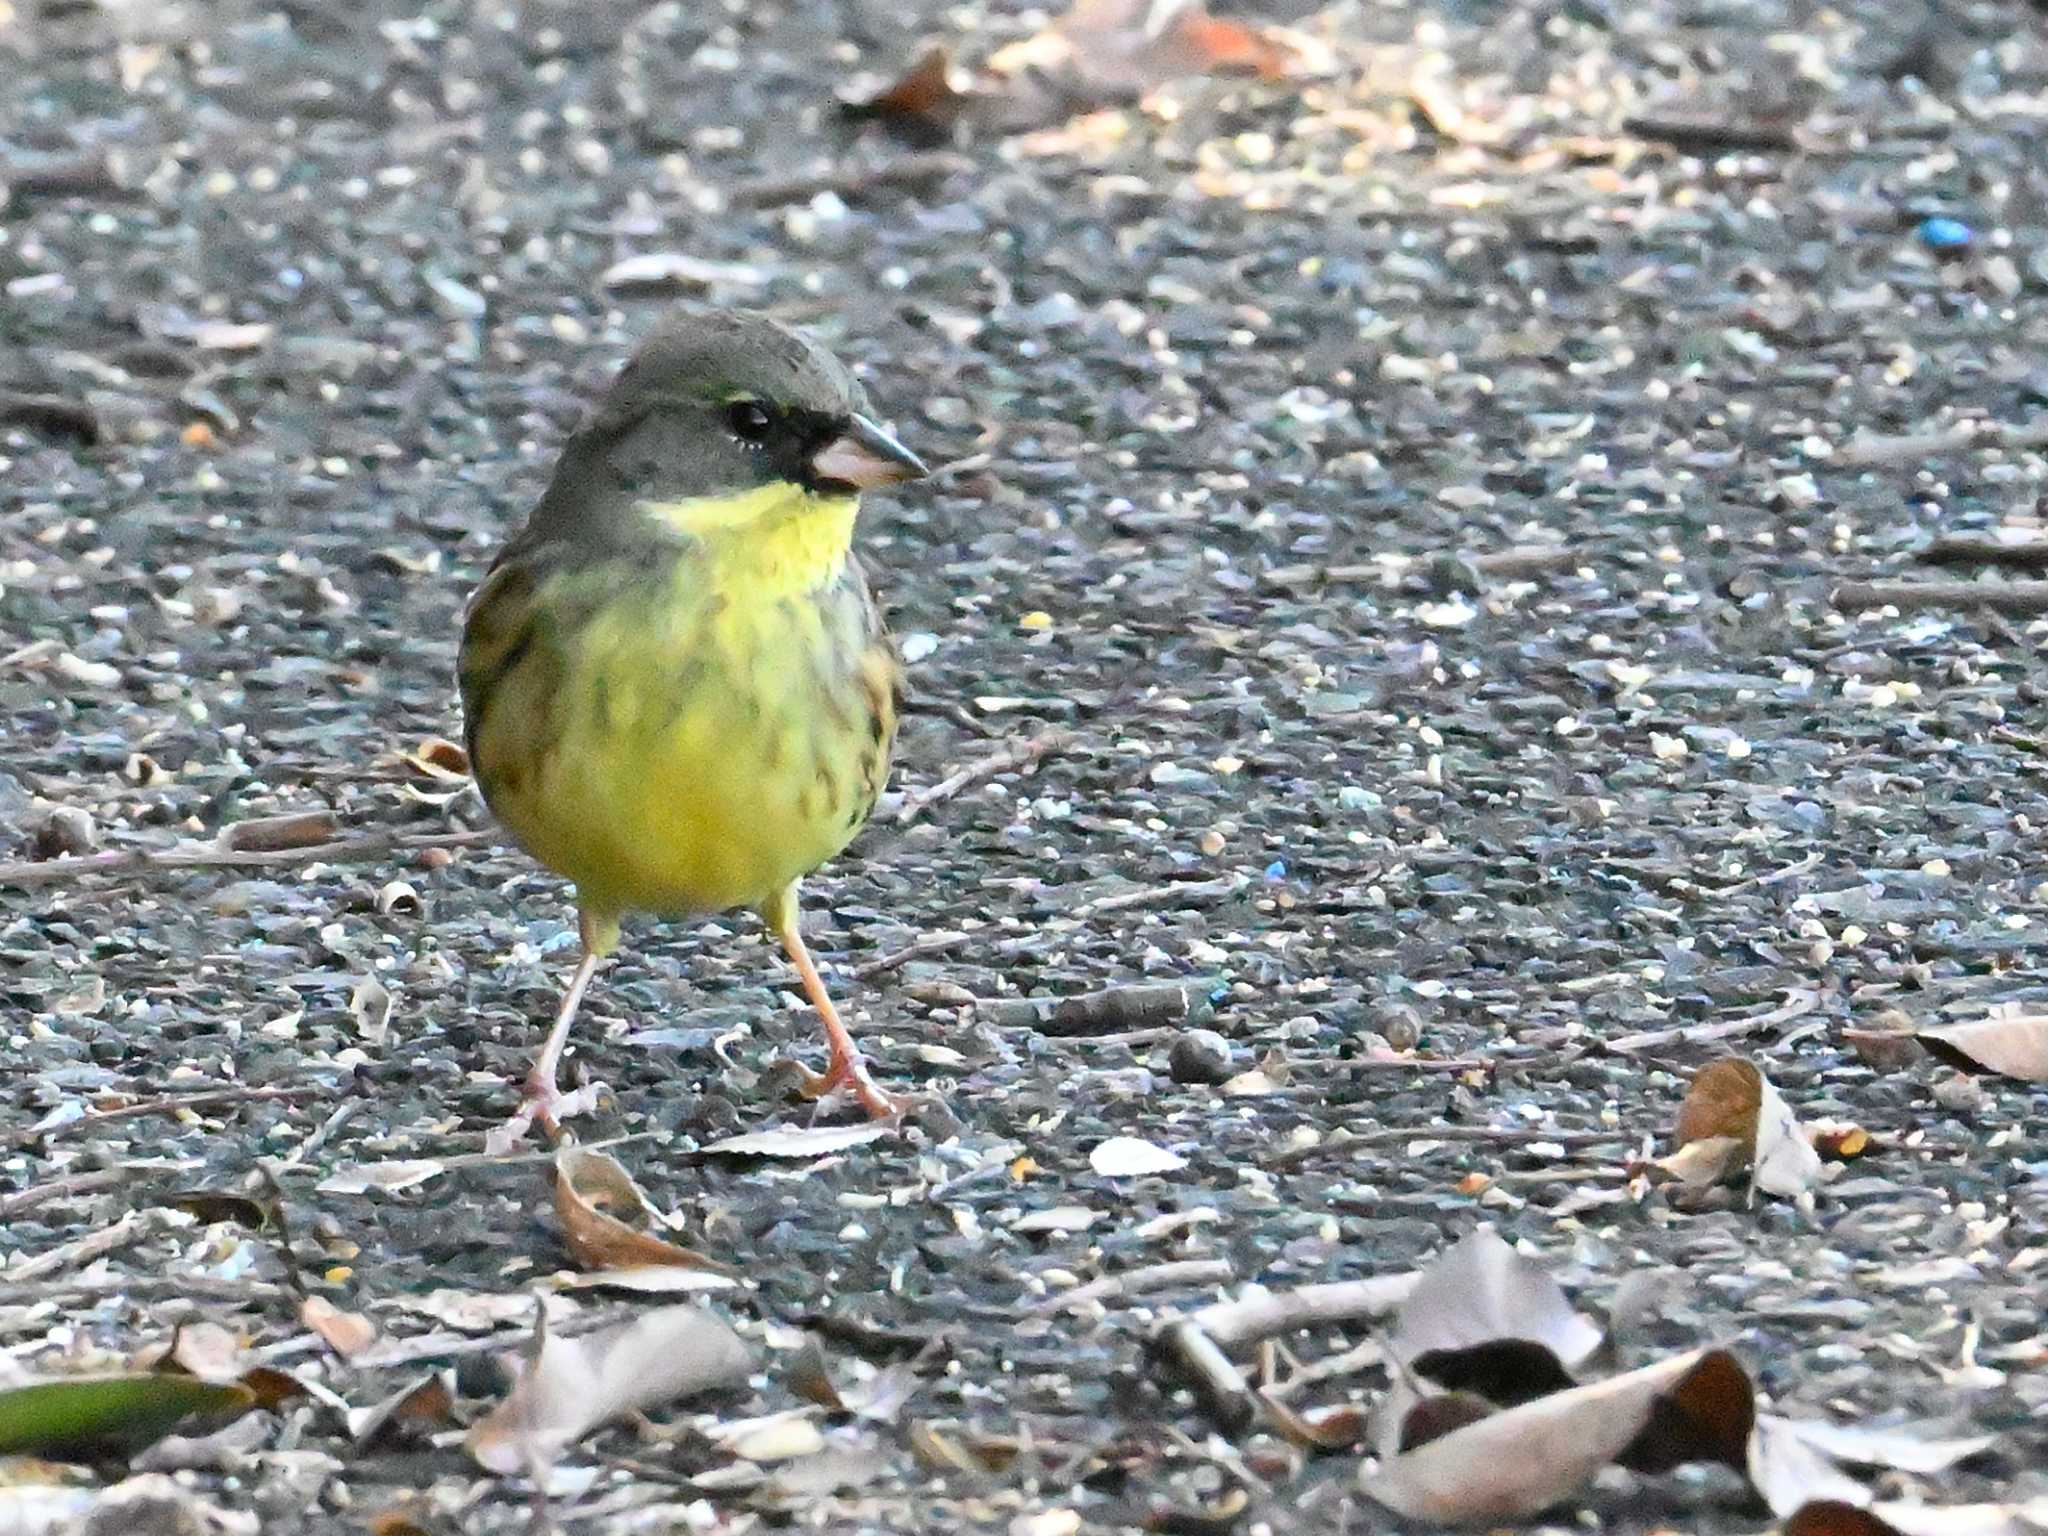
776, 541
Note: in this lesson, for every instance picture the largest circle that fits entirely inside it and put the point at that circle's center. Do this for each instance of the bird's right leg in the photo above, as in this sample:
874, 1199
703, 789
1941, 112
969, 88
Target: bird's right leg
545, 1102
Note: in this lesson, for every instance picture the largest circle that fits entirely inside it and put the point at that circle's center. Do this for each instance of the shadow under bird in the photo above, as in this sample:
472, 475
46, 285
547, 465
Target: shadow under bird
678, 691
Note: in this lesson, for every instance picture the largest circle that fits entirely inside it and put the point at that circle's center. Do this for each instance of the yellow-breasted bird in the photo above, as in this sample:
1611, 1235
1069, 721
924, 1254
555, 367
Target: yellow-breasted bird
678, 691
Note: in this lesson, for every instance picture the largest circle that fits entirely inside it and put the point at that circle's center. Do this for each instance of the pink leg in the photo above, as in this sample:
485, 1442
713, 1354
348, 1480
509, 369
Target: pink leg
545, 1101
844, 1069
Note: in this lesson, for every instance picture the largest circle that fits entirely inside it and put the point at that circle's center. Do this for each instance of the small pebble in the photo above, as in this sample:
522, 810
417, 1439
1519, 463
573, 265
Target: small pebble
1200, 1056
1400, 1026
1944, 234
1962, 1095
65, 830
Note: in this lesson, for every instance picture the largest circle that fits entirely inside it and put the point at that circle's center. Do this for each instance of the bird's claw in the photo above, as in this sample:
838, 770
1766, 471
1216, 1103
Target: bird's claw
547, 1106
850, 1072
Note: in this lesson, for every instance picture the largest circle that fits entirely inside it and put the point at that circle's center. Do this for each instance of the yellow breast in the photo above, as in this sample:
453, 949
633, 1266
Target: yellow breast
714, 724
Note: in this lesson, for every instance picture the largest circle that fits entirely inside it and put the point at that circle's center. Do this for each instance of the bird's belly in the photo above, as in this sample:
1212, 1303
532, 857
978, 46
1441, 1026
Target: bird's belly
697, 778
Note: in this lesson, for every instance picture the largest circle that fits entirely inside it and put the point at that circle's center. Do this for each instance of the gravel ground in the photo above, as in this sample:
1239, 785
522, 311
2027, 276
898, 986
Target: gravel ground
1396, 583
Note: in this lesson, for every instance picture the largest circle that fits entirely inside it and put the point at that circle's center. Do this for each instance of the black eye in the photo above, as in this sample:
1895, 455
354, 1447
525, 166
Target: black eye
748, 420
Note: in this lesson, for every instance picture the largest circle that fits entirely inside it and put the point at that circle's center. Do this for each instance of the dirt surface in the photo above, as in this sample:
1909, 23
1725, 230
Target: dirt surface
1401, 504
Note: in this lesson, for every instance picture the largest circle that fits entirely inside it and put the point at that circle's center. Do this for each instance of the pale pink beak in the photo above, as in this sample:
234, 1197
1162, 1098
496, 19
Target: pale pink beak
863, 456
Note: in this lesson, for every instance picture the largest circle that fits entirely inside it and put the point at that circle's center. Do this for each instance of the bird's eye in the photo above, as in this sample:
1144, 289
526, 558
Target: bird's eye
749, 421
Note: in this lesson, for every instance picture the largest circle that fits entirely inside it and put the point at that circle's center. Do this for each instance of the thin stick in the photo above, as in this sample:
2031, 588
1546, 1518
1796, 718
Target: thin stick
916, 949
1362, 1357
1705, 135
212, 1099
1234, 1324
1790, 871
1973, 549
1189, 891
2019, 597
851, 183
197, 855
1019, 754
133, 1228
333, 1123
1137, 1282
1798, 1003
1218, 1383
1401, 1135
136, 1287
91, 1182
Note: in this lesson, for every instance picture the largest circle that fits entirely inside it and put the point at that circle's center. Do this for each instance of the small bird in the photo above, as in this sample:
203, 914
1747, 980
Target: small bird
678, 691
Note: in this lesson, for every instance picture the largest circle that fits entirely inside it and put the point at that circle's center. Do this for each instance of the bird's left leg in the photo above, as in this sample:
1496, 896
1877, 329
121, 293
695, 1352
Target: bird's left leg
845, 1067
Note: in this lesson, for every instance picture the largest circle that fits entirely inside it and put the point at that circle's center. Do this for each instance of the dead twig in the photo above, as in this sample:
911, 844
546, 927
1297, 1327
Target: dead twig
1234, 1324
121, 861
56, 415
1188, 891
1872, 450
2029, 554
1694, 135
1402, 1135
1137, 1282
1148, 1006
135, 1227
1350, 1362
141, 1287
1521, 560
1800, 1002
326, 1133
171, 1104
62, 175
852, 183
275, 834
916, 949
1019, 754
1195, 1357
2018, 597
1790, 871
92, 1182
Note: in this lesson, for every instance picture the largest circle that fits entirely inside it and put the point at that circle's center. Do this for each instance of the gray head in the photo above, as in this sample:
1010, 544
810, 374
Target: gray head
717, 403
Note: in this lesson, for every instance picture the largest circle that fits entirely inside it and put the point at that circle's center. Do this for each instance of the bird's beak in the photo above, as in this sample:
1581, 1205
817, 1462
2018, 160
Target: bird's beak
863, 455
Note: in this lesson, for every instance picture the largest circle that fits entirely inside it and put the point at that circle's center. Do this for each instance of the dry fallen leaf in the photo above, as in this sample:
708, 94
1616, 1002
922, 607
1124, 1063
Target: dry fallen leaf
421, 1407
370, 1004
1134, 45
1723, 1100
346, 1333
1839, 1141
2015, 1047
1731, 1101
1899, 1517
793, 1141
926, 100
438, 758
605, 1216
389, 1176
273, 834
1127, 1157
1518, 1462
1704, 1163
570, 1386
1786, 1162
1480, 1291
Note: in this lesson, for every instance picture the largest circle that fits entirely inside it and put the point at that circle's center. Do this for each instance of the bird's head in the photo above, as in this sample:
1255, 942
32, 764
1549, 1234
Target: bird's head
717, 408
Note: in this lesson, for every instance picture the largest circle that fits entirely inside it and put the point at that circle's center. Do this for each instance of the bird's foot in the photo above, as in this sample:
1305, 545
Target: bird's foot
845, 1073
547, 1106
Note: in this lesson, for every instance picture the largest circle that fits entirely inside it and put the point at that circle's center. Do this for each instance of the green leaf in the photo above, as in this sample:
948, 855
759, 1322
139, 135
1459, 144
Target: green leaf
83, 1418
